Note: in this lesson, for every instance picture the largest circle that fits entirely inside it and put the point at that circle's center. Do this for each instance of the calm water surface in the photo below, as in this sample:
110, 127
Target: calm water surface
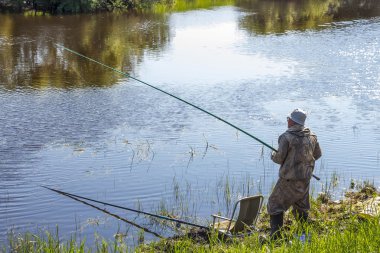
68, 123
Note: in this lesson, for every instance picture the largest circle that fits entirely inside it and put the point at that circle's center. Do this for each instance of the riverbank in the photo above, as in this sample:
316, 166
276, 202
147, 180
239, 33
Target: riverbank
69, 6
38, 7
314, 12
347, 225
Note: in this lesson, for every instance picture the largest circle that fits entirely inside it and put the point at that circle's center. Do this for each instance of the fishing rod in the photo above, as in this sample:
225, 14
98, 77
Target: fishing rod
112, 214
167, 93
171, 95
77, 197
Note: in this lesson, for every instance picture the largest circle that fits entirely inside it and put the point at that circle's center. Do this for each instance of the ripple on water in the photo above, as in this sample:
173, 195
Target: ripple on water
129, 145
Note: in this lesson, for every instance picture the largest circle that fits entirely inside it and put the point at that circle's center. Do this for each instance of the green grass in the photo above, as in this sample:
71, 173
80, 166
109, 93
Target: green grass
354, 236
334, 226
51, 243
46, 243
351, 235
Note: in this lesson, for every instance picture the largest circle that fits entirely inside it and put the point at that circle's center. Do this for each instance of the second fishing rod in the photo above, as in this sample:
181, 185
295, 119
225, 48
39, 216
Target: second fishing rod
171, 95
81, 199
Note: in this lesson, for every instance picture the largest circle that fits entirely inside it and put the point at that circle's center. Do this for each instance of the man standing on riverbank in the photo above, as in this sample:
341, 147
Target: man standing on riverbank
297, 152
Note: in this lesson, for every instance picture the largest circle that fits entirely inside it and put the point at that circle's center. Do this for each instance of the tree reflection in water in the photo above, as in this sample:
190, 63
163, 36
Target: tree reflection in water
29, 58
277, 16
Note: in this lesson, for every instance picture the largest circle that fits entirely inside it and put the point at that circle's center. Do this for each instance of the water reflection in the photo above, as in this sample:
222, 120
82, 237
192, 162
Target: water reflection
276, 16
29, 58
127, 144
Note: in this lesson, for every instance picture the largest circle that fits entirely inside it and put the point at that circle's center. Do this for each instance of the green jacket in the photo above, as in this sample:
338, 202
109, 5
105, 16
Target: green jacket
298, 149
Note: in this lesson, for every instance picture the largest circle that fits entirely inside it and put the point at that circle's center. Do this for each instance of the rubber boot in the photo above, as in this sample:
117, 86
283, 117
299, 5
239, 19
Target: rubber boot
301, 216
304, 216
276, 222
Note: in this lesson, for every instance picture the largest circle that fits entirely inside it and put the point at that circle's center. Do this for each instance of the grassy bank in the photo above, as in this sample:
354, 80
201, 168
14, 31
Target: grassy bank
352, 235
348, 225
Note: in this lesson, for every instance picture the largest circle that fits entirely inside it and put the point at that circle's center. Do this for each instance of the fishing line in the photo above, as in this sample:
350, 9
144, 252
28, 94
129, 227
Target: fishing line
171, 95
167, 93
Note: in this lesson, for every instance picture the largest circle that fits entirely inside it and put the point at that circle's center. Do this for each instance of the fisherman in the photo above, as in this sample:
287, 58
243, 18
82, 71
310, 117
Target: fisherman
297, 152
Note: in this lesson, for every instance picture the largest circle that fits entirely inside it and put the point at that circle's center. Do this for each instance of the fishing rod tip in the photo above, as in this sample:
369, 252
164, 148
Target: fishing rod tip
44, 186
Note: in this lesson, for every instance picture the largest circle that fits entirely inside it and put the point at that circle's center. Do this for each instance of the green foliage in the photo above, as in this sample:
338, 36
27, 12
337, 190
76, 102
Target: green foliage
80, 6
71, 6
12, 4
163, 6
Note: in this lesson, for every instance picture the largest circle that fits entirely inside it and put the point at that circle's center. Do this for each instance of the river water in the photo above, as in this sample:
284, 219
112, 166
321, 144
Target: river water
68, 123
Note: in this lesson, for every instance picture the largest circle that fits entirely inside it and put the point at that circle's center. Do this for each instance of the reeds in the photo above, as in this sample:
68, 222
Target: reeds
47, 243
333, 227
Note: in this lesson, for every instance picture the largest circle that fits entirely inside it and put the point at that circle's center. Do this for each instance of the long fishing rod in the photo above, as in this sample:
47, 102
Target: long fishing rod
169, 94
74, 196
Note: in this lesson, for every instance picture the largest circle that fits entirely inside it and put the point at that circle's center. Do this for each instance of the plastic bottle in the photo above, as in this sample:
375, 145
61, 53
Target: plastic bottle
303, 238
